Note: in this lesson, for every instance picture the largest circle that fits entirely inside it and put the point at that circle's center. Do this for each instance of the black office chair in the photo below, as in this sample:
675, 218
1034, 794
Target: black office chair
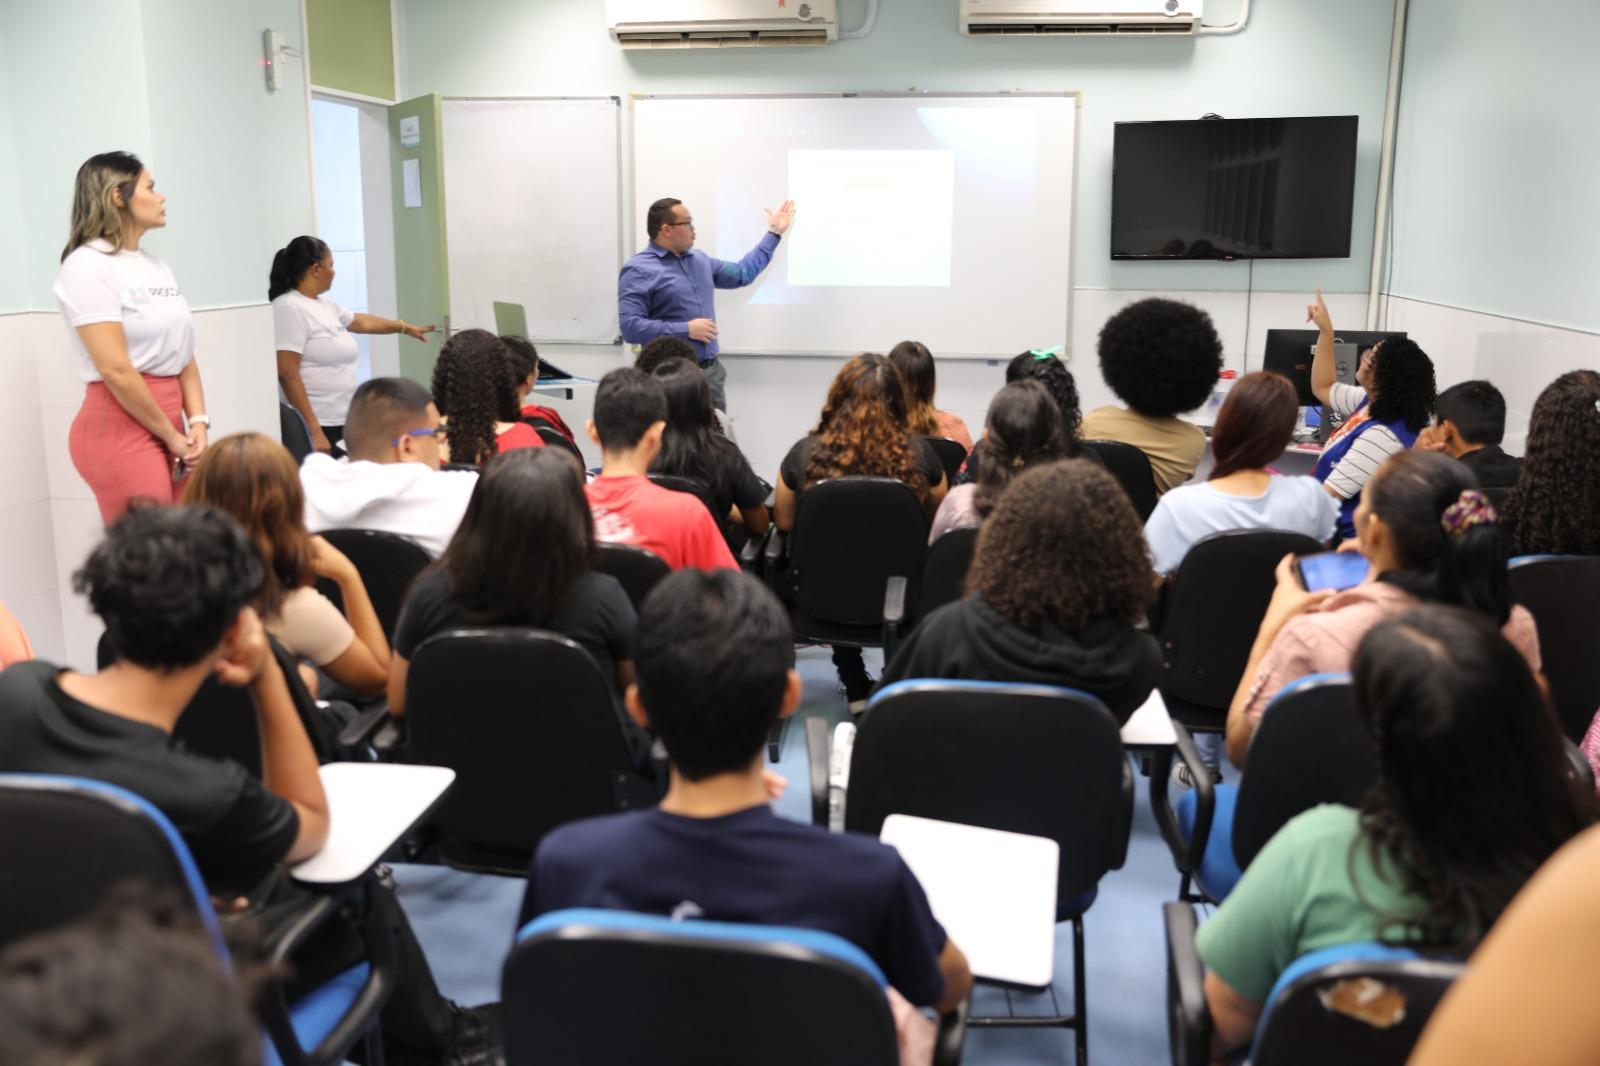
694, 487
554, 438
461, 468
534, 734
1213, 608
387, 562
698, 992
944, 576
1031, 759
1131, 468
293, 432
1308, 749
1299, 1027
1562, 592
69, 841
951, 455
636, 569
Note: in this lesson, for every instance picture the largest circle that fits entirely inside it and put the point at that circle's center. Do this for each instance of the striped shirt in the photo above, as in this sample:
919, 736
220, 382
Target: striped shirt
1367, 452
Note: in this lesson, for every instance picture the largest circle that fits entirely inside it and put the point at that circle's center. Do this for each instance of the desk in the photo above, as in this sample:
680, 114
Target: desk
562, 388
994, 893
370, 807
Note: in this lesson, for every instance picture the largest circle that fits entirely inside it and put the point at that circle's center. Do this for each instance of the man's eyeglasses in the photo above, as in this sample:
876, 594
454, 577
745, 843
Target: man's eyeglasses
686, 222
414, 433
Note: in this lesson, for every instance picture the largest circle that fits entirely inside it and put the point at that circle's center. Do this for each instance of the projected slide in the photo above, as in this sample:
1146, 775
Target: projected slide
872, 217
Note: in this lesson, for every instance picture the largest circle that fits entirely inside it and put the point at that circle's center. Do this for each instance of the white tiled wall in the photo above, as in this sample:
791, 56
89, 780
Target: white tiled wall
28, 580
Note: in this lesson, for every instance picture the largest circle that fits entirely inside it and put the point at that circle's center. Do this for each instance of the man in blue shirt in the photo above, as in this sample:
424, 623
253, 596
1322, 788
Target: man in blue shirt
667, 288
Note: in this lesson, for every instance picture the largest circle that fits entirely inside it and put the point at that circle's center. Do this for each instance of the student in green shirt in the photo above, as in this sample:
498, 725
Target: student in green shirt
1472, 795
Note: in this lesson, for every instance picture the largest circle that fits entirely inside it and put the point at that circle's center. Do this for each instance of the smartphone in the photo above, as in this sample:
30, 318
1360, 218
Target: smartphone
1331, 570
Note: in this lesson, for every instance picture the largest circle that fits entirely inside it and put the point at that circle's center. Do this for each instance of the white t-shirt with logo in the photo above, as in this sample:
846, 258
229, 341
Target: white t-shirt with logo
315, 329
135, 289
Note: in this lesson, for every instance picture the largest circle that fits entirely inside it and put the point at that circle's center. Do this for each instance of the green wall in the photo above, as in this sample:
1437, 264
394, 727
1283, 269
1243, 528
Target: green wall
352, 46
422, 286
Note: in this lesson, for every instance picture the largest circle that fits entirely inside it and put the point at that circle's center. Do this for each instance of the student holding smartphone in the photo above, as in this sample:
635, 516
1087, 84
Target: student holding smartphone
1426, 534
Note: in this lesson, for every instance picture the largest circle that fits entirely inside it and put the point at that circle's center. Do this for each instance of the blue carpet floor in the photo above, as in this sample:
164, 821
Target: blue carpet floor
465, 922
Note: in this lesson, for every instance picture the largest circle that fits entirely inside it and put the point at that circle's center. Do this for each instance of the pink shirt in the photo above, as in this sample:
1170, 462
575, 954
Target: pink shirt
951, 427
1324, 639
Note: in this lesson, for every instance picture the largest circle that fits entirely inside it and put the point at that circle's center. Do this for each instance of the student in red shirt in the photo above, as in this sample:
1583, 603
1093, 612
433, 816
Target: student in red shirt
630, 413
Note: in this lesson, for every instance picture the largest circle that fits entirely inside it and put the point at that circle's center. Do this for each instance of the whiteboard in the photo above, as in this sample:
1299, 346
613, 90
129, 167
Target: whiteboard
531, 198
945, 218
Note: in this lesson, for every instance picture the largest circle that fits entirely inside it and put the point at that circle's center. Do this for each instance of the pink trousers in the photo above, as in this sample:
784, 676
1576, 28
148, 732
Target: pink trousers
118, 457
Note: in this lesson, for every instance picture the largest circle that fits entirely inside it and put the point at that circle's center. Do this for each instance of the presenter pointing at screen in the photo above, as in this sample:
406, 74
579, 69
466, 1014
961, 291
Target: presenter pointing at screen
667, 288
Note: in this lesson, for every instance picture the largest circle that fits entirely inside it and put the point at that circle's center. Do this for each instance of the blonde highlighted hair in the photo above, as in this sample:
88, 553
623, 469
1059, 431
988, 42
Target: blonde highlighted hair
95, 212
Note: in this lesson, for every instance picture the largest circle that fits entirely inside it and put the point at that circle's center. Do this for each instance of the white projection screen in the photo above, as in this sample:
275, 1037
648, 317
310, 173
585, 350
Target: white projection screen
944, 218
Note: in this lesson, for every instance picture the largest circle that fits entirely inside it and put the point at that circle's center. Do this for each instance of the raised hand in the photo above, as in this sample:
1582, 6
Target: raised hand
780, 220
1317, 314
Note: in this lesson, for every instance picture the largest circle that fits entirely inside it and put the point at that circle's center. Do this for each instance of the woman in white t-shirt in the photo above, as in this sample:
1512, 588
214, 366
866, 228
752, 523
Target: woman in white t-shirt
143, 421
316, 354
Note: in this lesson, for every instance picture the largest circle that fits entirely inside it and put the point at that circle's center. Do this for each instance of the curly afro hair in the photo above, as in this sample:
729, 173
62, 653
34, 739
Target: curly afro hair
1161, 357
1065, 548
1555, 506
1402, 384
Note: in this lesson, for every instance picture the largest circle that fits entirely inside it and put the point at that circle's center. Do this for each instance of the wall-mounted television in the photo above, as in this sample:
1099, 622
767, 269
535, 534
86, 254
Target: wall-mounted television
1235, 188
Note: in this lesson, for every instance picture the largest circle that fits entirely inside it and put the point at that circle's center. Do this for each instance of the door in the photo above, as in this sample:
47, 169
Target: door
422, 282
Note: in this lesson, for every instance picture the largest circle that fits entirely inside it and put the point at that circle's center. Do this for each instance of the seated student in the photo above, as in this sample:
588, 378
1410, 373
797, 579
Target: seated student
476, 394
391, 480
1428, 534
1528, 993
173, 586
716, 668
630, 415
667, 348
1445, 837
1059, 582
14, 646
1469, 421
522, 557
1049, 371
862, 430
1161, 358
1555, 506
1022, 430
915, 364
1253, 427
1383, 412
691, 447
254, 479
524, 359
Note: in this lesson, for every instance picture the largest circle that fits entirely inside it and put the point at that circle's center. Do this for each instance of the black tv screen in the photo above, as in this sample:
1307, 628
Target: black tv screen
1236, 188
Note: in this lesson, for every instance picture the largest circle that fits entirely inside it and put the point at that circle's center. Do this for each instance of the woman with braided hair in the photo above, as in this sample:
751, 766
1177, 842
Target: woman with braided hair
1432, 857
1428, 534
475, 390
1555, 506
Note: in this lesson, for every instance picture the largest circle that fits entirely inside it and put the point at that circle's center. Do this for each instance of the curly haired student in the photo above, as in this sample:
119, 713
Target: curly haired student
475, 390
1555, 506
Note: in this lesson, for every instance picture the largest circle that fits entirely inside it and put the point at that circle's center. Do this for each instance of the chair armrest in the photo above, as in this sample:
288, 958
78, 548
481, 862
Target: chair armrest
754, 552
383, 975
1188, 1019
839, 754
1581, 771
365, 725
1186, 853
1124, 815
817, 745
952, 1036
776, 550
894, 614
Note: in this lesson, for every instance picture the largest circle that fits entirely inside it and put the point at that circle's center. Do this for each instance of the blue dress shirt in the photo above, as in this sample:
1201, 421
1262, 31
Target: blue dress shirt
659, 291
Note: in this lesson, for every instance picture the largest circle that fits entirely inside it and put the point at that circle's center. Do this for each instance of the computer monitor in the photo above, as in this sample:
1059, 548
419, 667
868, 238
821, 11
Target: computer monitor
511, 320
1289, 352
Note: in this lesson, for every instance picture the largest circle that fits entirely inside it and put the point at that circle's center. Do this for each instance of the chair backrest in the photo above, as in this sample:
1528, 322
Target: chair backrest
1309, 1019
696, 992
1131, 468
1214, 606
1308, 749
951, 455
67, 841
693, 486
1032, 759
1562, 592
387, 563
293, 432
532, 730
555, 438
851, 534
944, 577
636, 569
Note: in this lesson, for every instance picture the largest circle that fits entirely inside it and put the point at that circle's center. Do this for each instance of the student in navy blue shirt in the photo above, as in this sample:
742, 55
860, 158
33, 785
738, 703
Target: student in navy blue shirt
666, 290
714, 659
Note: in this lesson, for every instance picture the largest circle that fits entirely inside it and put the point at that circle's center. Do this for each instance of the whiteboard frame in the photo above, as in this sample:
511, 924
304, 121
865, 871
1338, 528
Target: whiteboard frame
624, 170
1076, 95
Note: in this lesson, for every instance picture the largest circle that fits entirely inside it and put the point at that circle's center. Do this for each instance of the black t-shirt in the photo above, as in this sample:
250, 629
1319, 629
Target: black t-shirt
1493, 467
737, 484
596, 614
749, 866
236, 830
793, 469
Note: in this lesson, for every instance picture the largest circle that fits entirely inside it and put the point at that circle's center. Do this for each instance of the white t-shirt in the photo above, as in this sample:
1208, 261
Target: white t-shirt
135, 289
1189, 512
315, 330
405, 498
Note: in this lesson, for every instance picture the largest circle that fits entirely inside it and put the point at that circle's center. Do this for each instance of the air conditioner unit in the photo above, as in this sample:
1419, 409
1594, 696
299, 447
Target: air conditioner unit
722, 23
1033, 18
